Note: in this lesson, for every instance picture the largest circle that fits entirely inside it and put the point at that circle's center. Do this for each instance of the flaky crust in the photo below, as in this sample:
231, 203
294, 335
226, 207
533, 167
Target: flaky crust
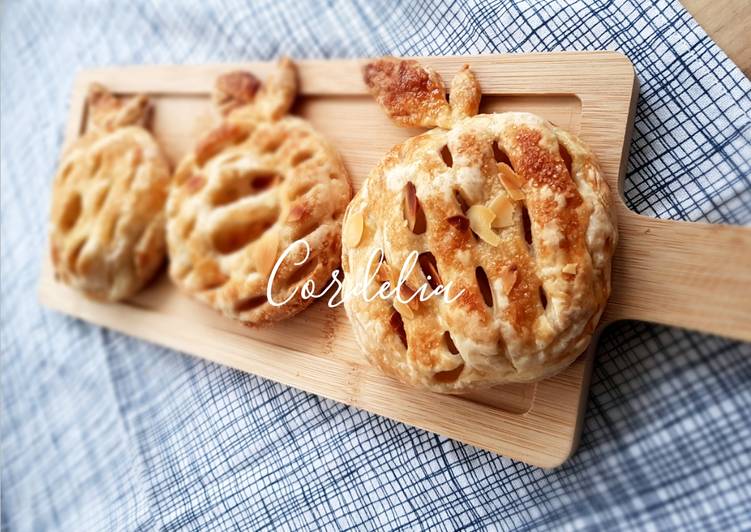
107, 221
532, 296
414, 96
251, 188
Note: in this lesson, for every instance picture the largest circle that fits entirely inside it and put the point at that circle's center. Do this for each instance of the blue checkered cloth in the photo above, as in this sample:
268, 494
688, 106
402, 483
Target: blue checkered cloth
101, 431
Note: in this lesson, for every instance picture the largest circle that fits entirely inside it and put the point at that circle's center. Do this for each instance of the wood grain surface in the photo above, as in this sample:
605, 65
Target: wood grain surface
691, 275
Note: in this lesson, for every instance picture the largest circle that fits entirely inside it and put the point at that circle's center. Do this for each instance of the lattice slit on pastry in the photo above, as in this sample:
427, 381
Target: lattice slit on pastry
254, 186
107, 222
507, 209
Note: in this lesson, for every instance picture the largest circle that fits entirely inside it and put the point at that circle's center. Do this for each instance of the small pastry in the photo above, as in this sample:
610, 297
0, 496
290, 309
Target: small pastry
254, 188
107, 223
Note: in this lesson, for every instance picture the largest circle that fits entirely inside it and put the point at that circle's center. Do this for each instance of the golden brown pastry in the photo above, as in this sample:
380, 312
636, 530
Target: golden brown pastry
508, 208
252, 187
107, 222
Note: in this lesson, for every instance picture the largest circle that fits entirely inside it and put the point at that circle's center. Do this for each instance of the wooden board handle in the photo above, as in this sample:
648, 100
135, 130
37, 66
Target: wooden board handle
691, 275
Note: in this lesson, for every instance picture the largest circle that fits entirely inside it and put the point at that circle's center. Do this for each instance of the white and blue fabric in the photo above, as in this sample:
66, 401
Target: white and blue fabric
105, 432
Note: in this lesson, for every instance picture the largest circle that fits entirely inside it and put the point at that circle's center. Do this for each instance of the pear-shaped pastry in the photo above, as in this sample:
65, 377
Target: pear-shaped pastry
259, 186
107, 223
507, 210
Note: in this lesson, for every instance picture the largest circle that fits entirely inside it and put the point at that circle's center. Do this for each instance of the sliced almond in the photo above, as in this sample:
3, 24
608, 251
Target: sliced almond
352, 232
503, 208
511, 181
405, 293
264, 254
403, 309
569, 268
383, 275
480, 218
508, 277
412, 210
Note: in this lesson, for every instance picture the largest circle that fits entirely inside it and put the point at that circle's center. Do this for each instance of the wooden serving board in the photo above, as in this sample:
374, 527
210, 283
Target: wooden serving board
690, 275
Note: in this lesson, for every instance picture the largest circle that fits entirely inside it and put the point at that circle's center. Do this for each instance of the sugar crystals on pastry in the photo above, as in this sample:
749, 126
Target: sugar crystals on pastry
511, 210
254, 187
107, 222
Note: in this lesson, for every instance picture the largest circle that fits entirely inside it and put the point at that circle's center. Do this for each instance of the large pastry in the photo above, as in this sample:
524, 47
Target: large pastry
107, 222
260, 185
509, 209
